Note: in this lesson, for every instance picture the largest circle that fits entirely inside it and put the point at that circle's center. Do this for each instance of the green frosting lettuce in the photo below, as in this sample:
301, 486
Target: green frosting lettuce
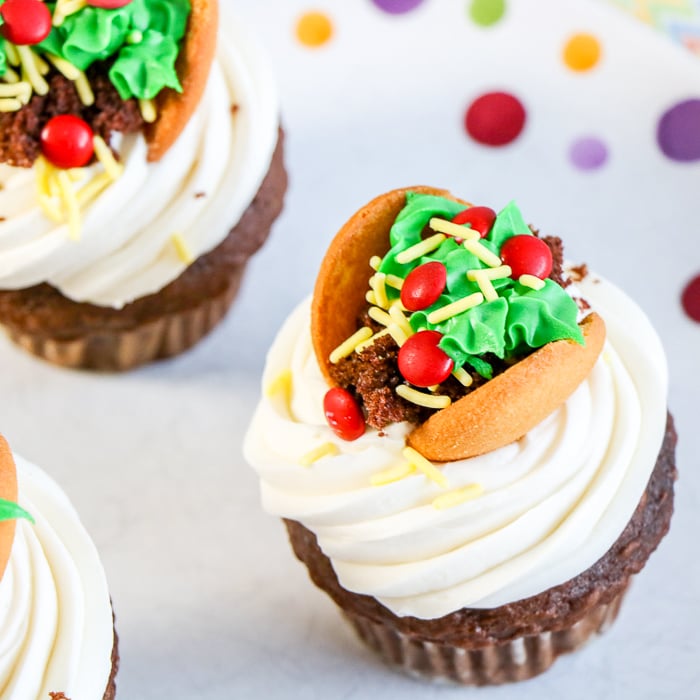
519, 321
142, 37
11, 511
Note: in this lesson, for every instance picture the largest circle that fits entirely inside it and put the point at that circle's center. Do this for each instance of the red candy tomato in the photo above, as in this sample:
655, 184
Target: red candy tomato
343, 414
108, 4
423, 285
527, 255
66, 141
480, 218
26, 22
422, 362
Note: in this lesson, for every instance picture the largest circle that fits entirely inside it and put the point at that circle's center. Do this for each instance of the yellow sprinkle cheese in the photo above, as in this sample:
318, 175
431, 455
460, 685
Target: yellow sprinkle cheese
400, 320
456, 307
148, 111
106, 158
397, 334
374, 262
485, 285
422, 399
458, 496
380, 316
12, 54
281, 384
182, 249
531, 281
475, 247
82, 87
10, 104
426, 466
366, 343
378, 284
93, 189
420, 249
41, 65
21, 90
462, 376
31, 70
64, 67
389, 476
371, 298
453, 229
70, 204
64, 8
347, 346
328, 449
394, 281
50, 208
10, 76
491, 273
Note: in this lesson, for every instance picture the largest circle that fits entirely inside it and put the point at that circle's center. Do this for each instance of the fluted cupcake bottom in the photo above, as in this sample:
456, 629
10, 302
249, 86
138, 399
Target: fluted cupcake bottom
516, 660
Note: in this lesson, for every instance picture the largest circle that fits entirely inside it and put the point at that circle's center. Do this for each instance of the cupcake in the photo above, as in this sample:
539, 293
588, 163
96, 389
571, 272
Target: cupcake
468, 440
141, 168
56, 625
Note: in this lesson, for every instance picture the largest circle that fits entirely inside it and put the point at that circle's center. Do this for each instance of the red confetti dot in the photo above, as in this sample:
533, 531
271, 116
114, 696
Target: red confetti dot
495, 119
691, 299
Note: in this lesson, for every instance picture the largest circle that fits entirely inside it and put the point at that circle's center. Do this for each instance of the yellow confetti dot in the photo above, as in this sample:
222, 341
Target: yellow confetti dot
582, 52
314, 29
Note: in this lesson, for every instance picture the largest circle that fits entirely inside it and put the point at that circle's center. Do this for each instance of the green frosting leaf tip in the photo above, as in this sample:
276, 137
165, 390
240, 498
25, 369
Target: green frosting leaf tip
12, 511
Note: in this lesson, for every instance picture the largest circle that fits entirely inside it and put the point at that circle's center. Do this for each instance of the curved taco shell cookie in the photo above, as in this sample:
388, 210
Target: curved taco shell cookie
495, 414
8, 492
193, 64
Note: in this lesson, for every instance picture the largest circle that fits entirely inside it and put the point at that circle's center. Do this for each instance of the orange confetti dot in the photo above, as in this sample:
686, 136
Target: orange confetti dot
582, 52
314, 29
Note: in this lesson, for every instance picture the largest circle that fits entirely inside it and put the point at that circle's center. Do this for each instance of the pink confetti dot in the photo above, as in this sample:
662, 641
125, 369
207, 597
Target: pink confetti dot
495, 118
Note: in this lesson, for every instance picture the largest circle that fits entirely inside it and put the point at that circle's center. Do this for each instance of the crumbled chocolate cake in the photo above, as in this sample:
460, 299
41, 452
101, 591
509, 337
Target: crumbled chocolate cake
373, 375
20, 131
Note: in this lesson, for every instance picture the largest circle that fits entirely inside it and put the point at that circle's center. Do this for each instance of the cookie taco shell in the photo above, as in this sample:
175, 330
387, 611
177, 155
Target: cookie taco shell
495, 414
8, 492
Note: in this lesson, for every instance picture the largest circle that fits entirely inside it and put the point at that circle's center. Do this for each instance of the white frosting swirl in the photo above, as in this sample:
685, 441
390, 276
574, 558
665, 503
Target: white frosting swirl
56, 630
553, 502
125, 250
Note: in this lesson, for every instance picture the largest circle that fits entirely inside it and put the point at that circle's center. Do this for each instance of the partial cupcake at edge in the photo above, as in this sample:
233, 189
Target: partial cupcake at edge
141, 168
467, 438
57, 637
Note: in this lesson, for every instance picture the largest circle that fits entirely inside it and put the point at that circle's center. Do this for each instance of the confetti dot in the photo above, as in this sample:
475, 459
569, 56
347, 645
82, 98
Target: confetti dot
397, 7
691, 299
314, 29
588, 153
678, 132
582, 52
495, 118
487, 12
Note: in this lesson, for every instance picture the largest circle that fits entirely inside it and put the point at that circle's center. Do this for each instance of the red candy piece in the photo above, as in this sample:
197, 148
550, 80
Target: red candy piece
691, 299
422, 362
480, 218
423, 285
108, 4
495, 119
527, 255
343, 414
27, 22
66, 141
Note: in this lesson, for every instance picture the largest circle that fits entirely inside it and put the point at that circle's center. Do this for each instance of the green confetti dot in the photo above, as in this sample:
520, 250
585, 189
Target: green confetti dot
487, 12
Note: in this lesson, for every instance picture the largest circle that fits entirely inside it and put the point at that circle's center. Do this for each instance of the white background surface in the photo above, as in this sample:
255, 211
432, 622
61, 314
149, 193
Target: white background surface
210, 602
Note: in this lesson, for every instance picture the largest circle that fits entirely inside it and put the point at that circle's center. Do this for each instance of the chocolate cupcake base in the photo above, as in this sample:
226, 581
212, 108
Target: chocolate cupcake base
518, 640
85, 336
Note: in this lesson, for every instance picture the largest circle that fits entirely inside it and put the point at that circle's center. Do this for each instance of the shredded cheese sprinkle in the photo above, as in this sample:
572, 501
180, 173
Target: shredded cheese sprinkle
400, 320
395, 282
426, 466
485, 284
421, 399
281, 384
31, 69
64, 8
491, 273
66, 68
82, 87
370, 341
347, 346
106, 157
419, 249
10, 76
148, 111
531, 281
328, 449
397, 334
12, 54
478, 249
374, 262
378, 284
371, 297
10, 104
452, 229
462, 376
90, 191
456, 307
389, 476
182, 249
70, 204
379, 315
458, 496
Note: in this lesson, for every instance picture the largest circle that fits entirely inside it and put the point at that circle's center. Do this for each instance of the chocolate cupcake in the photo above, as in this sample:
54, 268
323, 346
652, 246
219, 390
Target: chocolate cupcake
143, 168
56, 623
467, 439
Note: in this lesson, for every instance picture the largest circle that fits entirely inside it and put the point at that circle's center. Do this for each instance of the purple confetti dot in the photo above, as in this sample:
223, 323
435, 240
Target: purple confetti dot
678, 133
397, 7
588, 153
